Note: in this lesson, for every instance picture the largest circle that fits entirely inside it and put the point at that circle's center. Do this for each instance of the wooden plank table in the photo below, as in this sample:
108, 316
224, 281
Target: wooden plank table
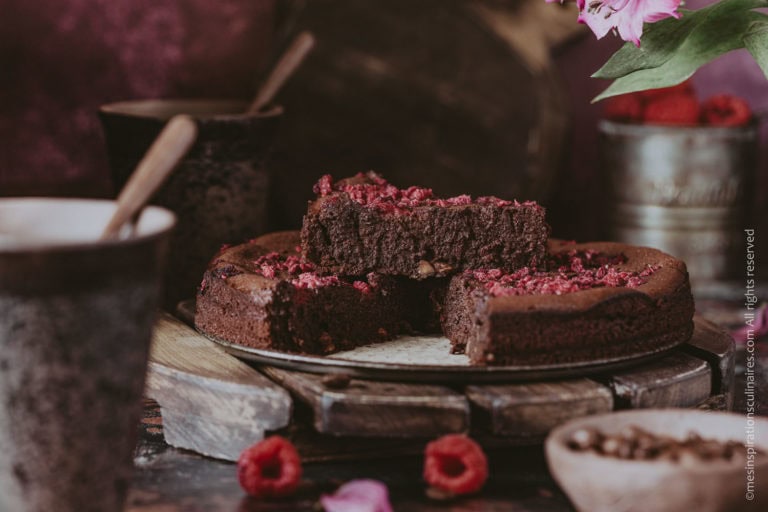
217, 405
169, 479
172, 480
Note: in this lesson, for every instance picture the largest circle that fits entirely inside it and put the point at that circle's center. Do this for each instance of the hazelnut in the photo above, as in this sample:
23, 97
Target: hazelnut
633, 432
689, 457
425, 269
730, 449
710, 450
647, 442
626, 450
583, 439
670, 453
638, 444
642, 454
610, 446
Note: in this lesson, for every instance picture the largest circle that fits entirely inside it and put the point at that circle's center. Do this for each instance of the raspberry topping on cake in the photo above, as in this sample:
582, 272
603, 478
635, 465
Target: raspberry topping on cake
563, 273
311, 281
372, 191
362, 287
275, 265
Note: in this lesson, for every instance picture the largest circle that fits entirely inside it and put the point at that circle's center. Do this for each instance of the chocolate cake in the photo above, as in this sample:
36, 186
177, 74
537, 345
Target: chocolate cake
584, 302
367, 266
364, 224
263, 294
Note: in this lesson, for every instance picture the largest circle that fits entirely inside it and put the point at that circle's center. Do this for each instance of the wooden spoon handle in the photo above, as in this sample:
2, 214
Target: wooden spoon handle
288, 63
168, 149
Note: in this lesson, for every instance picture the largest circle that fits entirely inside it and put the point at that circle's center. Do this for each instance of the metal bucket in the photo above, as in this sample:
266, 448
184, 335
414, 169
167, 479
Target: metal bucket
684, 190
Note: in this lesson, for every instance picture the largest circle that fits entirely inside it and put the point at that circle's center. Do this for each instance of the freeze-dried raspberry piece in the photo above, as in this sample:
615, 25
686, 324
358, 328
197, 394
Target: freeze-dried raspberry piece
269, 468
685, 88
455, 463
726, 110
324, 186
627, 107
673, 109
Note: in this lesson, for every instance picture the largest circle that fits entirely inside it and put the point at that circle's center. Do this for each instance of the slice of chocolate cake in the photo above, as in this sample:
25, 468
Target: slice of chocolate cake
585, 302
263, 294
364, 224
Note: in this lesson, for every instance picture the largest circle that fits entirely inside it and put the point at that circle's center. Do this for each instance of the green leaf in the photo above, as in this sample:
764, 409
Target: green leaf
756, 42
706, 41
661, 40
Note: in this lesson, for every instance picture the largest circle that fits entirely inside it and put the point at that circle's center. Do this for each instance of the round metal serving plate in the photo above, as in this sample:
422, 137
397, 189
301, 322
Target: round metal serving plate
402, 359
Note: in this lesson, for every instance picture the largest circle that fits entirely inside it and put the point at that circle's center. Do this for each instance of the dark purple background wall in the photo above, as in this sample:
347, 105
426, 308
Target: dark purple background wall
60, 60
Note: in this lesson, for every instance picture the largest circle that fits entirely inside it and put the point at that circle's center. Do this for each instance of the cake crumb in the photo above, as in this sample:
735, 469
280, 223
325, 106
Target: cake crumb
336, 380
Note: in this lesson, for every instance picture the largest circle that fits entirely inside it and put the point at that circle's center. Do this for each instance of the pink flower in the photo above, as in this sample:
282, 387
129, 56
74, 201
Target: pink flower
627, 16
758, 327
358, 496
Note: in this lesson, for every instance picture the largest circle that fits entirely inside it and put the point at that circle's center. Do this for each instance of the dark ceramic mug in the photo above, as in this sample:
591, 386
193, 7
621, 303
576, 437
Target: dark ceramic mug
76, 317
219, 192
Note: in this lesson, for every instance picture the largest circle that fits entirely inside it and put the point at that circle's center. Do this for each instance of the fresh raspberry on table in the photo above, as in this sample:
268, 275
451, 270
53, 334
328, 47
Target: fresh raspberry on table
726, 110
456, 464
685, 88
627, 107
269, 468
673, 109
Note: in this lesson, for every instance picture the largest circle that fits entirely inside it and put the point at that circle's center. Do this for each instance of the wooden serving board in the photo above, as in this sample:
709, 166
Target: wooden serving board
211, 402
216, 405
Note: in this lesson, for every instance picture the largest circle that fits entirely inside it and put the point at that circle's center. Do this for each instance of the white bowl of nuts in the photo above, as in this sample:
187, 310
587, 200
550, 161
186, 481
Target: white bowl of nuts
662, 460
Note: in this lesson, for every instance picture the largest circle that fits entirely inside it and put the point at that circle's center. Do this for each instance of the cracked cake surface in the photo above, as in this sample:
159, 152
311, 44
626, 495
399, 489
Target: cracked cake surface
364, 224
